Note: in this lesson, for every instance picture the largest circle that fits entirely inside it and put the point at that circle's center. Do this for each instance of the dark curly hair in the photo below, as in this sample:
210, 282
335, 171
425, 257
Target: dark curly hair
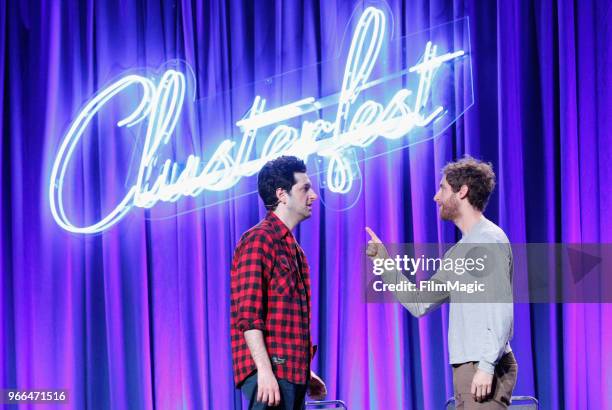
277, 173
478, 176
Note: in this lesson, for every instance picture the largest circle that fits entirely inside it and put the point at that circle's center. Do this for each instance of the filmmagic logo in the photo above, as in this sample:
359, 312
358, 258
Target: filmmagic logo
353, 126
429, 286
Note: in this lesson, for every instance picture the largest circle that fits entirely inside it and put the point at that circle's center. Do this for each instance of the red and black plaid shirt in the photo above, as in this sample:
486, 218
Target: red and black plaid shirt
270, 291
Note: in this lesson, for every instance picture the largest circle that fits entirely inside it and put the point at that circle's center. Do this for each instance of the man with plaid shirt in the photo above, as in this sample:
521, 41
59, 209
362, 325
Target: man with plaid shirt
270, 296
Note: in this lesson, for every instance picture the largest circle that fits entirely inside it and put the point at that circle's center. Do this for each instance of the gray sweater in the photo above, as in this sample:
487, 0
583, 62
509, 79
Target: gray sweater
480, 326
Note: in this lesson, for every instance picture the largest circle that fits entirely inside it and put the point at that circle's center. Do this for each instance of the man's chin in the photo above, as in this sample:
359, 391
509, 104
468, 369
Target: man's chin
445, 216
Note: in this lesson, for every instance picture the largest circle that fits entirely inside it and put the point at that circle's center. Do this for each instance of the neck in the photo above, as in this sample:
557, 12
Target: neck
289, 220
466, 220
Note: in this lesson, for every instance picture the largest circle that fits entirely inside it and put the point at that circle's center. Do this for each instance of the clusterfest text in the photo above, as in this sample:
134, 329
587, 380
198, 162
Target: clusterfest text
353, 126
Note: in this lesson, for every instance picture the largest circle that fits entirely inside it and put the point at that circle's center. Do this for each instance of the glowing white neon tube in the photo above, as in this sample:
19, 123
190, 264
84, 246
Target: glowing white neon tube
72, 137
353, 126
277, 115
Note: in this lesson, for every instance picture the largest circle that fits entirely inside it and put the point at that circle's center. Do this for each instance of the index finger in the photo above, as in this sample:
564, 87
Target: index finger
373, 235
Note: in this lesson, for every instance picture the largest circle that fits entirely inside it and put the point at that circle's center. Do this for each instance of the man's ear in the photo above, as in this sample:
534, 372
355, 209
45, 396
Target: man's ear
463, 191
281, 195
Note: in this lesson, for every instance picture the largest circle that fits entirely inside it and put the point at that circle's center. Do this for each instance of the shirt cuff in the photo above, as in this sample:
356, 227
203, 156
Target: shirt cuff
486, 367
246, 324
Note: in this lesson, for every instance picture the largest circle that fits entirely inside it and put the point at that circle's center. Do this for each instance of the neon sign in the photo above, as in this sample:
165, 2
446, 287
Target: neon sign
353, 126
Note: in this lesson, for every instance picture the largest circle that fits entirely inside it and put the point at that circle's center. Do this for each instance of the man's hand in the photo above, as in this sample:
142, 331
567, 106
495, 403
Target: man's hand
316, 387
267, 388
481, 385
375, 249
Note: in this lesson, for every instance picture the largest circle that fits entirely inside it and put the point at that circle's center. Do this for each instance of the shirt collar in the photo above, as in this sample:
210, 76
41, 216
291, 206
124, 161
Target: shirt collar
279, 226
478, 226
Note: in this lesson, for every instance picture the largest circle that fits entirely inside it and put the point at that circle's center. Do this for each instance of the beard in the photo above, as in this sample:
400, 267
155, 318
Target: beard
449, 210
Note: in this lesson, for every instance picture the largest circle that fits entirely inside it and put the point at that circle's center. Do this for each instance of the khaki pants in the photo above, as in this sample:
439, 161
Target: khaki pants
503, 384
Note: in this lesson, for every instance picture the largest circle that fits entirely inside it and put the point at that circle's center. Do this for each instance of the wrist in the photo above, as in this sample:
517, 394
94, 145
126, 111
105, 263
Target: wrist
265, 370
486, 367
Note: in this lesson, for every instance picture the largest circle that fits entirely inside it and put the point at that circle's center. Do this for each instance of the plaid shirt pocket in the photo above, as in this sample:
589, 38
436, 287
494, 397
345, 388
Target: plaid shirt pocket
284, 282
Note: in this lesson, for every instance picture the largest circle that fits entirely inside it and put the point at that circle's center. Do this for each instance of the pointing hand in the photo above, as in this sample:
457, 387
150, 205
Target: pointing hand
375, 249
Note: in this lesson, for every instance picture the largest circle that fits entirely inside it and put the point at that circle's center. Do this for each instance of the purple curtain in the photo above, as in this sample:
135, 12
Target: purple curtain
137, 317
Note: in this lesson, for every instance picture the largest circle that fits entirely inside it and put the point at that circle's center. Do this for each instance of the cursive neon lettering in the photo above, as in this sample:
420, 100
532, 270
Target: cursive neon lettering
354, 126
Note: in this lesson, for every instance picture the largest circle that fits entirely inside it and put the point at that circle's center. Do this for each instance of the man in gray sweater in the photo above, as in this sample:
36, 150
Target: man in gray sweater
480, 325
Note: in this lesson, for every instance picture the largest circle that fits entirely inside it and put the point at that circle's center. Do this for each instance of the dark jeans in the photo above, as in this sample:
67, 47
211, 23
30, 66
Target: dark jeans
293, 396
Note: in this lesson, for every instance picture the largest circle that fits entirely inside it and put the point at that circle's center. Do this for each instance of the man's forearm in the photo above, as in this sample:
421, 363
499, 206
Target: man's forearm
413, 300
257, 346
499, 321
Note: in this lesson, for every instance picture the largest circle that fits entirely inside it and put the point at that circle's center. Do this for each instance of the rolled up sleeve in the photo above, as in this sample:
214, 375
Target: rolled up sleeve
251, 264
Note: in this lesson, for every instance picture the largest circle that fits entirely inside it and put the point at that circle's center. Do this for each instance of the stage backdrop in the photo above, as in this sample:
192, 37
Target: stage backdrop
138, 316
